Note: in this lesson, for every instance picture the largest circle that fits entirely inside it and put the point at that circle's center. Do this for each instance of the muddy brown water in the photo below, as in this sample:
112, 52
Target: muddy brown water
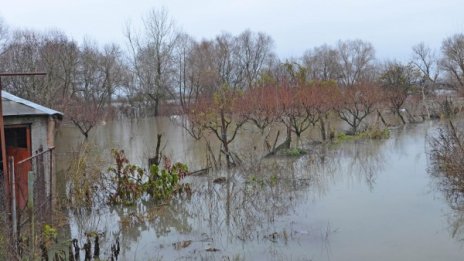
359, 200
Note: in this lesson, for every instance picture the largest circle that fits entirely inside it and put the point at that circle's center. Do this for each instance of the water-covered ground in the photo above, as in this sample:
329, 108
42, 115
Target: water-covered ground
363, 200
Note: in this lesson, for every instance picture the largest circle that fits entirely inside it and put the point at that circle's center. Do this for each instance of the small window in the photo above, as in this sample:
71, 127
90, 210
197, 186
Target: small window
16, 137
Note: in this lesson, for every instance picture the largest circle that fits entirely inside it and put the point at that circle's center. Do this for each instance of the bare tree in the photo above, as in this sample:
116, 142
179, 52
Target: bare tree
114, 71
254, 49
397, 80
204, 77
51, 52
206, 67
152, 56
356, 61
322, 63
23, 54
426, 62
226, 62
453, 60
87, 102
99, 74
59, 57
3, 36
181, 57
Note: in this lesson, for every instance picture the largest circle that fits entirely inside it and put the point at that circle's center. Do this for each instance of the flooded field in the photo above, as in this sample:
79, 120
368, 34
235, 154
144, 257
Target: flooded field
357, 200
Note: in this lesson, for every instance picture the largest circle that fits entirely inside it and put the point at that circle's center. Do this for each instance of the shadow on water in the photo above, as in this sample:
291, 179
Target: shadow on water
362, 200
449, 181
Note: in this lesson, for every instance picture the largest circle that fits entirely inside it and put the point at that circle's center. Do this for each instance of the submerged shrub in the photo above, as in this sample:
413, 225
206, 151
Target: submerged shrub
163, 182
132, 182
373, 133
128, 179
448, 152
292, 152
85, 176
378, 134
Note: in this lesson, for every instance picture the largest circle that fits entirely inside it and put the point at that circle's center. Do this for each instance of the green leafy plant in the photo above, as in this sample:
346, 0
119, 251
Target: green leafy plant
49, 233
132, 182
128, 179
373, 133
163, 182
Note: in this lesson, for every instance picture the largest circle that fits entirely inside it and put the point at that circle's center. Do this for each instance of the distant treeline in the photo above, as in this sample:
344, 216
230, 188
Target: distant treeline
163, 63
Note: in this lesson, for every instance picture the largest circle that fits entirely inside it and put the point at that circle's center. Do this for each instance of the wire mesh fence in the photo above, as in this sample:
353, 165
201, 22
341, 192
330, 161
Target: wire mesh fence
28, 199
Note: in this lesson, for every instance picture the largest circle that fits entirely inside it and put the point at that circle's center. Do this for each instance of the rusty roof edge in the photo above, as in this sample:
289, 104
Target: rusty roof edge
45, 110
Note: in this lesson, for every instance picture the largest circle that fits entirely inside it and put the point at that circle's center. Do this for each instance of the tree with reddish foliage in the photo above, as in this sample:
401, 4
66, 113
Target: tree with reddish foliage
259, 106
292, 111
85, 113
305, 106
306, 99
356, 103
326, 93
220, 115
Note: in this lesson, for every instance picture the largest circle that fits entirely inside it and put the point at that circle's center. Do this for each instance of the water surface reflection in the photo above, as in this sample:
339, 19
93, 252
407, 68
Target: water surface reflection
364, 200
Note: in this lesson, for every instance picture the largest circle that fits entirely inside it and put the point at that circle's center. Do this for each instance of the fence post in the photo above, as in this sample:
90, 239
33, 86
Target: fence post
30, 203
13, 200
51, 186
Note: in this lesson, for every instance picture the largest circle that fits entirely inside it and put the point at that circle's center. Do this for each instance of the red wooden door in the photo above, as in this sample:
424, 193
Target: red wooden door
18, 143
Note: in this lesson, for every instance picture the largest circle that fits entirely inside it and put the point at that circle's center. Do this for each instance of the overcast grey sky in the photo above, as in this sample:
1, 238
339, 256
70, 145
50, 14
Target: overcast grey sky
392, 26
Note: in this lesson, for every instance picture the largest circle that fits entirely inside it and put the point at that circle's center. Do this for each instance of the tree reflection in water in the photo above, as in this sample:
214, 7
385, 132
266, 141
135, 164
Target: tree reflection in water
447, 167
252, 205
454, 195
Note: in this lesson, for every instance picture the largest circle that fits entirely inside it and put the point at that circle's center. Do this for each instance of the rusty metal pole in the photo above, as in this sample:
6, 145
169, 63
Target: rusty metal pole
3, 151
2, 132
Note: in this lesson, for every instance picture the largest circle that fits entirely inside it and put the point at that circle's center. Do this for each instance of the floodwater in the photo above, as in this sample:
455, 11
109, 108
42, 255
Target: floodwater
359, 200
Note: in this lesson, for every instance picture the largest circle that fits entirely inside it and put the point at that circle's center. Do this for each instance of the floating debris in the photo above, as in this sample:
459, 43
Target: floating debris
274, 237
220, 180
182, 244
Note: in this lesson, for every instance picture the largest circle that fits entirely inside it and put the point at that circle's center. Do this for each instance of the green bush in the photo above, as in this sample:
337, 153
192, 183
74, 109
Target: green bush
374, 133
163, 182
128, 179
293, 152
132, 181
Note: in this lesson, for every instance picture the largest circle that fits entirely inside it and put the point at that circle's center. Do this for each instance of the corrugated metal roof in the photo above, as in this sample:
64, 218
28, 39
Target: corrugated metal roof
16, 106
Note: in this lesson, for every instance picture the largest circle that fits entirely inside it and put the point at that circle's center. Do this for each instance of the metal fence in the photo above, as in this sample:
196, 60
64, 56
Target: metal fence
31, 198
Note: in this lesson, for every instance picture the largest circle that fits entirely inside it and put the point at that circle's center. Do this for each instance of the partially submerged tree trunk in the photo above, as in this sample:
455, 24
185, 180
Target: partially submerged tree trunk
224, 139
288, 140
83, 129
424, 101
283, 145
323, 129
157, 102
381, 118
156, 160
398, 111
